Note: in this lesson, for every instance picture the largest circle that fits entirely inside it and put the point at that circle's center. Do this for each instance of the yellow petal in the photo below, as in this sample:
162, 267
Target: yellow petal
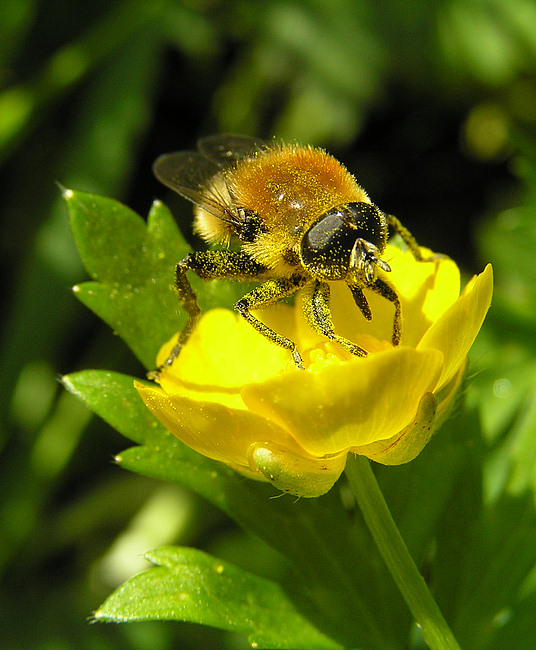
301, 476
425, 294
408, 444
445, 397
180, 380
223, 351
430, 286
210, 428
455, 332
445, 289
348, 405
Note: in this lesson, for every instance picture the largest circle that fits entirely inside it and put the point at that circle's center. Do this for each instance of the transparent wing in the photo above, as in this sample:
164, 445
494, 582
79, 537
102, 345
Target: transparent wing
224, 150
187, 173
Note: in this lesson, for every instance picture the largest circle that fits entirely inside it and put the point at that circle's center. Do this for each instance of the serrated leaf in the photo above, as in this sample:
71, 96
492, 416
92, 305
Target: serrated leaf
189, 585
133, 266
132, 270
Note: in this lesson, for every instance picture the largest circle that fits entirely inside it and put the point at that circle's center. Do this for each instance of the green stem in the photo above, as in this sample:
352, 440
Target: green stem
427, 614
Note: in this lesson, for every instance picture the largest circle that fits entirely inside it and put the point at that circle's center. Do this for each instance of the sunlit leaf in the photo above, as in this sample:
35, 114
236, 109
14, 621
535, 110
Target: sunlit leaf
189, 585
131, 264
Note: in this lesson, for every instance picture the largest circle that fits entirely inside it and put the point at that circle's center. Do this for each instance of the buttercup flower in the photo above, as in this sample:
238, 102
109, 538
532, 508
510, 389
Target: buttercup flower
236, 397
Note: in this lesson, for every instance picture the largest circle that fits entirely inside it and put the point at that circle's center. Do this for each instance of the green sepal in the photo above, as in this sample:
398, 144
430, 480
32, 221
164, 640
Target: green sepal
293, 474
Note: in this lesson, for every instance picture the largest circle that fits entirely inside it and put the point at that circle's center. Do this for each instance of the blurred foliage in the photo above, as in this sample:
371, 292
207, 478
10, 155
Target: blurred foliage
432, 105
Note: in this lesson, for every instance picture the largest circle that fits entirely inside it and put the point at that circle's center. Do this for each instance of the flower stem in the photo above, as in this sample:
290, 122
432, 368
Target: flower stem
393, 549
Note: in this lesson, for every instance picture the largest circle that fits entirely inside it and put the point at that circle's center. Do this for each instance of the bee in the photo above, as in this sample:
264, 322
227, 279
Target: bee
302, 221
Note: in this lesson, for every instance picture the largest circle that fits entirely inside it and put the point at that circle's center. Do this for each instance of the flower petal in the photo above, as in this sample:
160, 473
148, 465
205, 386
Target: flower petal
225, 351
456, 330
210, 428
445, 397
351, 404
408, 444
302, 476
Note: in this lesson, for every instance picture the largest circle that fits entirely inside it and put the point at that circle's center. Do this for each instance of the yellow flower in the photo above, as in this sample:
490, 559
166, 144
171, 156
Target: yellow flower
234, 396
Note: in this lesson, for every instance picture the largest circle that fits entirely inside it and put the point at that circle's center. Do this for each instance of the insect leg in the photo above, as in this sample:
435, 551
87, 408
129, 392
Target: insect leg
382, 288
269, 292
317, 313
411, 242
361, 301
208, 265
407, 237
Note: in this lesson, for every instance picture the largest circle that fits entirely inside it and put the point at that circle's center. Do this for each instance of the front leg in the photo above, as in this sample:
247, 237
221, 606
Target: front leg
410, 240
318, 315
407, 237
383, 289
208, 265
268, 293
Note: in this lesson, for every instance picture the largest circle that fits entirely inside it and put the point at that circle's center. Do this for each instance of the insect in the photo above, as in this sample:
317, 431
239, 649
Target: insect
302, 221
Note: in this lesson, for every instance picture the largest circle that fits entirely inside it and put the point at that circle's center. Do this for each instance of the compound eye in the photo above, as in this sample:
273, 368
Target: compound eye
327, 245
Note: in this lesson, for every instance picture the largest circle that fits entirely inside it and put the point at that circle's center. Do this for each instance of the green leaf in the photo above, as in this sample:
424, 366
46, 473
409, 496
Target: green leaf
112, 396
132, 264
189, 585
